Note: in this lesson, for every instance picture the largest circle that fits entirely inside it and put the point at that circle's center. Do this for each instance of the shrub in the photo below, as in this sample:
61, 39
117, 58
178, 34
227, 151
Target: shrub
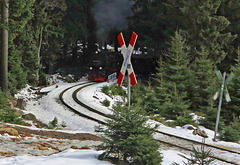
184, 119
106, 102
232, 131
53, 124
113, 90
6, 114
106, 89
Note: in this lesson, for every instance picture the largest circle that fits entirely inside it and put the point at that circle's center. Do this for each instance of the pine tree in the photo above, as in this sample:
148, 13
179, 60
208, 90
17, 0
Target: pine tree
204, 81
128, 137
48, 30
150, 21
174, 78
20, 14
198, 157
231, 10
80, 27
229, 110
29, 49
231, 132
204, 27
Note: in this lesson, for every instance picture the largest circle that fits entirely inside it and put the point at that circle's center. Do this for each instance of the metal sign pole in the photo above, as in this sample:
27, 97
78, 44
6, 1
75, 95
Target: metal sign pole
127, 65
219, 106
129, 92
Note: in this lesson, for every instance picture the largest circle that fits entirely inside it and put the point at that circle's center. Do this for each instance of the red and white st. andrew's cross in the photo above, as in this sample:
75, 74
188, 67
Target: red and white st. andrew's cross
127, 65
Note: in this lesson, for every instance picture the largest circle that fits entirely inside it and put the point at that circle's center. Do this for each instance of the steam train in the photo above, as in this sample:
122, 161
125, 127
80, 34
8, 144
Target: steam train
104, 63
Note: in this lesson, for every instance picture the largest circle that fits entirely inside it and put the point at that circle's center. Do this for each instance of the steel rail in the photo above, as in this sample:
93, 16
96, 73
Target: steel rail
74, 95
74, 110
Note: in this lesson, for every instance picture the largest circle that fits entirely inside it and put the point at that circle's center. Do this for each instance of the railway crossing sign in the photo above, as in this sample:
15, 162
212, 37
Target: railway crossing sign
221, 91
127, 65
225, 91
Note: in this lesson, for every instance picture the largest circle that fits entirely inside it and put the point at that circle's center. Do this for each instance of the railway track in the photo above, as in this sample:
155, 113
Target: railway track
76, 106
80, 108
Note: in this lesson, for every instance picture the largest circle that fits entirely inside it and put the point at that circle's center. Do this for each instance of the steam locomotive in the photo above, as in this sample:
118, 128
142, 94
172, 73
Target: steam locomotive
104, 63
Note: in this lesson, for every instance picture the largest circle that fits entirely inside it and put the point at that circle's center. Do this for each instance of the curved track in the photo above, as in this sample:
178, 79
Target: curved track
78, 107
221, 154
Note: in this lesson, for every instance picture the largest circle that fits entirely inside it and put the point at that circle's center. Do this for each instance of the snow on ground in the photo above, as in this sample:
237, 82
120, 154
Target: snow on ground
70, 156
97, 97
49, 106
186, 133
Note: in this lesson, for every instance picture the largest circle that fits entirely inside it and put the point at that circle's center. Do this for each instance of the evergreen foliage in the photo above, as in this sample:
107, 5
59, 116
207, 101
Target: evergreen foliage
21, 14
80, 26
150, 21
129, 138
231, 132
231, 109
113, 90
7, 114
198, 157
53, 124
231, 10
204, 81
204, 27
174, 78
48, 30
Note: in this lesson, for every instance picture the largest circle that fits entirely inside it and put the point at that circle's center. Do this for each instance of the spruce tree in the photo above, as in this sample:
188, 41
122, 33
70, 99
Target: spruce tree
198, 157
231, 109
150, 21
204, 81
128, 137
174, 78
80, 27
28, 47
204, 27
231, 10
231, 132
21, 14
48, 30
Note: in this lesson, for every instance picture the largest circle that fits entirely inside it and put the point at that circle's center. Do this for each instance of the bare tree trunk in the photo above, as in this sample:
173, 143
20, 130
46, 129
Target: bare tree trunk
38, 55
4, 53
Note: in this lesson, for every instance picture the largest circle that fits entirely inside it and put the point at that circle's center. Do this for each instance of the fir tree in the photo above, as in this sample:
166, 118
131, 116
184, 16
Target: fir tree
174, 78
204, 27
129, 138
204, 81
21, 14
48, 29
198, 157
28, 47
231, 10
231, 109
150, 21
231, 132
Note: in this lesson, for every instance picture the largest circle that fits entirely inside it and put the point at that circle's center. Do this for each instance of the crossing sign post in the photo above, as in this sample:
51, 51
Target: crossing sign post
127, 53
127, 65
221, 91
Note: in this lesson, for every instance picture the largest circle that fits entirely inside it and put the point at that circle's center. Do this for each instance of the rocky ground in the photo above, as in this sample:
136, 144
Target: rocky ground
21, 140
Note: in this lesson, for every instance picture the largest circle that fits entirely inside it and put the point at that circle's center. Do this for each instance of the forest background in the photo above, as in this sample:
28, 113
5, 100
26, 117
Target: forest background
191, 40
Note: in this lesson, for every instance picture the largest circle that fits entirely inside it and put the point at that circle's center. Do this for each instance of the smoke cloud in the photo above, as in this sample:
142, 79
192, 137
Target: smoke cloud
112, 13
